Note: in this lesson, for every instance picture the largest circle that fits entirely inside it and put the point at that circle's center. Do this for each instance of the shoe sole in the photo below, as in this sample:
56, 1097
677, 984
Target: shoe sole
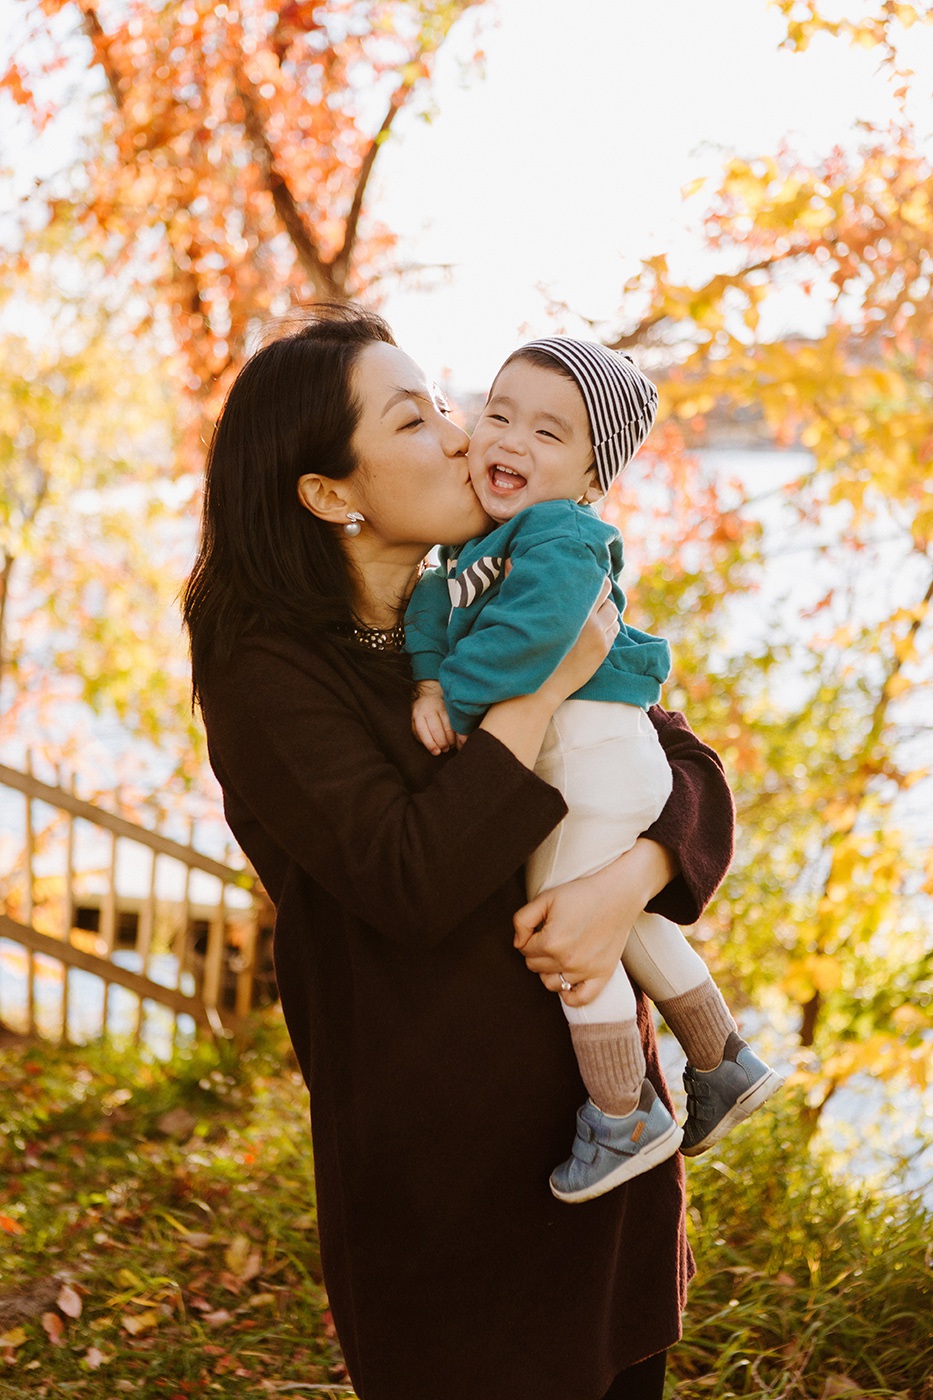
743, 1108
643, 1161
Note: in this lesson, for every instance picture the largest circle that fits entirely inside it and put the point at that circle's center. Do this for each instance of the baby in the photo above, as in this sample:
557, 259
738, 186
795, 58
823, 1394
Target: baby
562, 419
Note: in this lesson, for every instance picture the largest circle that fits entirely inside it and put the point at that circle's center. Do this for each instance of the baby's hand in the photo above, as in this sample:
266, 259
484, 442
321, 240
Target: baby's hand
429, 718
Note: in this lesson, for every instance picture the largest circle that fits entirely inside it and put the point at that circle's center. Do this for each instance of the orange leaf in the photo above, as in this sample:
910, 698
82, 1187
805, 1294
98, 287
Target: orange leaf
11, 1226
53, 1327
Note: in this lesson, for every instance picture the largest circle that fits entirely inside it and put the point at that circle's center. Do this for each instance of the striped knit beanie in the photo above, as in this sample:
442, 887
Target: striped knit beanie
620, 402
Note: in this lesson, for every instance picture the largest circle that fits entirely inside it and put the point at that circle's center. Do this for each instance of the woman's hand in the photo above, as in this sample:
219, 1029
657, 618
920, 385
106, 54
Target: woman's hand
577, 932
521, 723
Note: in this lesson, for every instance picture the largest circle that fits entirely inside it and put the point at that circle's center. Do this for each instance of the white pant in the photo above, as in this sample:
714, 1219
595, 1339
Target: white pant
607, 761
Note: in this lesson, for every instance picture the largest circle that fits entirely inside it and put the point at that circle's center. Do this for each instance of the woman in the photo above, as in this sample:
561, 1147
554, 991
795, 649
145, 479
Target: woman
441, 1075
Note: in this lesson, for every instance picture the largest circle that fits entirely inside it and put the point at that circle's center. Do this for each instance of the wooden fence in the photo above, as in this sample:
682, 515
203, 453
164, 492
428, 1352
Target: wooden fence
209, 1004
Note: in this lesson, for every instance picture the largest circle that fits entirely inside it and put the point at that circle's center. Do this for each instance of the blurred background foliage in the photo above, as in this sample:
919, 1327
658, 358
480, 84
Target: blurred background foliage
224, 175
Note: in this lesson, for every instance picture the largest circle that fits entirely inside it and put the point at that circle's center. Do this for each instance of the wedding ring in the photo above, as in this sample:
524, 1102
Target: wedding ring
565, 986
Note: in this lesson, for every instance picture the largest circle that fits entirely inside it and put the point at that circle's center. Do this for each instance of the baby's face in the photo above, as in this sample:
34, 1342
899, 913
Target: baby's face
532, 442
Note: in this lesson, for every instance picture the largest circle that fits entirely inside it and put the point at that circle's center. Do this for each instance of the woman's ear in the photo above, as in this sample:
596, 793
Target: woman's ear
325, 498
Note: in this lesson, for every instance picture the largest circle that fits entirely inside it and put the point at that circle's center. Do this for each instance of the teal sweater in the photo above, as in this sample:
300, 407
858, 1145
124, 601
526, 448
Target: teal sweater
487, 633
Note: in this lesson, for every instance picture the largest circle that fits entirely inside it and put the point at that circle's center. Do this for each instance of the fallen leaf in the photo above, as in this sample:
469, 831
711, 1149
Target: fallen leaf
94, 1358
53, 1327
839, 1384
237, 1253
13, 1338
197, 1239
134, 1323
69, 1301
218, 1318
11, 1226
262, 1300
785, 1281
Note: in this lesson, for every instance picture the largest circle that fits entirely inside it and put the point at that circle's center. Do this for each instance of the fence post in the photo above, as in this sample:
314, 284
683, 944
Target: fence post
108, 923
144, 938
214, 960
29, 907
68, 905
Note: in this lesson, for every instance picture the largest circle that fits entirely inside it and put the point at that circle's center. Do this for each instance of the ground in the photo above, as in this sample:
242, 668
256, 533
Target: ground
158, 1239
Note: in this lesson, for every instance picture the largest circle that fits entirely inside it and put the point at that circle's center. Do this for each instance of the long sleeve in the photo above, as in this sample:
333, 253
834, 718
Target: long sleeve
525, 630
293, 746
698, 820
426, 624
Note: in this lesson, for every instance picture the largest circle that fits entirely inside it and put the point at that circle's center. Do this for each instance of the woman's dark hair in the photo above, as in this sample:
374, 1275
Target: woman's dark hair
264, 560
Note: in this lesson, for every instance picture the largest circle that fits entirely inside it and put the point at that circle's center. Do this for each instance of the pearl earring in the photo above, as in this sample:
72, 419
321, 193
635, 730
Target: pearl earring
354, 523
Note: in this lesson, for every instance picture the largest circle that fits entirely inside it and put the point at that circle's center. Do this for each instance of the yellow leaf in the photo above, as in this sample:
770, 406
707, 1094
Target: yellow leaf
140, 1322
916, 211
909, 1018
237, 1254
825, 972
897, 685
14, 1338
693, 187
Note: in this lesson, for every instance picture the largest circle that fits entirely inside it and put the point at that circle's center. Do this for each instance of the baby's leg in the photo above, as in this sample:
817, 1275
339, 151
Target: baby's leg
676, 979
607, 1045
606, 760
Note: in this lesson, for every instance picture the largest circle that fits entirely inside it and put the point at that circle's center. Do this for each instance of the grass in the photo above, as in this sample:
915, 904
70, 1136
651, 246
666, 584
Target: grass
174, 1203
190, 1240
809, 1284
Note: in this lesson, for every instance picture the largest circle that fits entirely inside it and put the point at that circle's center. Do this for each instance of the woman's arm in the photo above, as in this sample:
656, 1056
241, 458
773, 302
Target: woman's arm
295, 752
697, 824
579, 930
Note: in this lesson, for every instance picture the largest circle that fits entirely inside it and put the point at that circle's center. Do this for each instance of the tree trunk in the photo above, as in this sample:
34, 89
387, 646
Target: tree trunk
811, 1010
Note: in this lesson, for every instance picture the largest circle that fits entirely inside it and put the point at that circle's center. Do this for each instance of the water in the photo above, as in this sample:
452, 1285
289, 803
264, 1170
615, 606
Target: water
86, 999
874, 1133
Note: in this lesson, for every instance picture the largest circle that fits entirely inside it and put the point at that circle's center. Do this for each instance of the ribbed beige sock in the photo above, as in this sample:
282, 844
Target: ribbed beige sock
701, 1021
612, 1063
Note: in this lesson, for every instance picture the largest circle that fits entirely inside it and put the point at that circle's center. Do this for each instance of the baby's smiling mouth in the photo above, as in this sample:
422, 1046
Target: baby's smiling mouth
505, 478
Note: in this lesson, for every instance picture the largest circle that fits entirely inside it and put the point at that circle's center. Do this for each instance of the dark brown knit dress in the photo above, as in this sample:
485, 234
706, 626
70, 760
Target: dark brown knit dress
443, 1085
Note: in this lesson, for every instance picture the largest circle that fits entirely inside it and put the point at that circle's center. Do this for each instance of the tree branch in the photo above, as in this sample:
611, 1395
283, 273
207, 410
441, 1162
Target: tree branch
341, 263
95, 32
715, 287
320, 273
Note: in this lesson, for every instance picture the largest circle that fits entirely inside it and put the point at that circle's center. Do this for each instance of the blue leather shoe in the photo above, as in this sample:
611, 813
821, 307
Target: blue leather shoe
608, 1151
719, 1098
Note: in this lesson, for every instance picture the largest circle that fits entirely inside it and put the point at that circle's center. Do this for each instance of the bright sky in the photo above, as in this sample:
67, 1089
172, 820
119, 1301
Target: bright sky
563, 166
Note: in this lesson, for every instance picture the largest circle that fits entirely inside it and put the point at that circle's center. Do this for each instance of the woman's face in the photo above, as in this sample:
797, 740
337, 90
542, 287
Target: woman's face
412, 484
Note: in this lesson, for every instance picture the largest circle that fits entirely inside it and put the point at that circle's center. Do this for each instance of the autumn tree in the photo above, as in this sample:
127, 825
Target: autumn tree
822, 716
227, 173
222, 157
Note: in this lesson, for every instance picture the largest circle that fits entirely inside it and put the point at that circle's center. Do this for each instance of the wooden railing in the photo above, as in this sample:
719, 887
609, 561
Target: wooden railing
206, 1004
